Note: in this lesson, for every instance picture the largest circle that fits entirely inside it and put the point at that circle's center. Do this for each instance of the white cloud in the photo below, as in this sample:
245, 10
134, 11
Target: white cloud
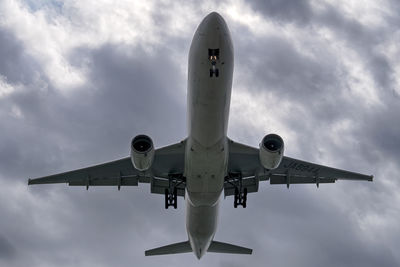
5, 88
369, 13
46, 38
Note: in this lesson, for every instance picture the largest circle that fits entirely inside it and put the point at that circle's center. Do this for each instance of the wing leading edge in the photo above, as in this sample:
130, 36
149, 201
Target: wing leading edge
244, 161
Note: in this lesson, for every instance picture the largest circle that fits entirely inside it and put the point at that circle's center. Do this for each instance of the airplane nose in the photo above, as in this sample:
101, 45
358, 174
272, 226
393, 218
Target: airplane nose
213, 24
214, 19
213, 28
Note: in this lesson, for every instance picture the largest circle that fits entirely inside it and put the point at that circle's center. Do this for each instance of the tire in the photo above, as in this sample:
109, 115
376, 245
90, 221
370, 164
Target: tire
166, 193
175, 198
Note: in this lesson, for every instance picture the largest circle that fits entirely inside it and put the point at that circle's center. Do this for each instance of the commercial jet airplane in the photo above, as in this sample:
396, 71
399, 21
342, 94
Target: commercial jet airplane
207, 162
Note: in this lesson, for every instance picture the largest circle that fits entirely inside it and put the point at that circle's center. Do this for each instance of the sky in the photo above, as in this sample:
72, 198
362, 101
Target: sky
79, 79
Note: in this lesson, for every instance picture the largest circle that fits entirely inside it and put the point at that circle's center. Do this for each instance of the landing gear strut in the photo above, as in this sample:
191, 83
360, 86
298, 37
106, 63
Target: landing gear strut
213, 56
171, 193
240, 196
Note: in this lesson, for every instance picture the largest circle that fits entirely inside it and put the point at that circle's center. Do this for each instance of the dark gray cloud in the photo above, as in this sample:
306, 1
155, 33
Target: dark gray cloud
121, 89
320, 84
7, 251
96, 123
16, 65
364, 39
134, 89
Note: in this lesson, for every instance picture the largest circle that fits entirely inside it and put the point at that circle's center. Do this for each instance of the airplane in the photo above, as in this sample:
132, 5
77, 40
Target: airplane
207, 162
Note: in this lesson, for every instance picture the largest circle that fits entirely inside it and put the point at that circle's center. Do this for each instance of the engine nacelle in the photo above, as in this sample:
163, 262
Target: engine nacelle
271, 151
142, 152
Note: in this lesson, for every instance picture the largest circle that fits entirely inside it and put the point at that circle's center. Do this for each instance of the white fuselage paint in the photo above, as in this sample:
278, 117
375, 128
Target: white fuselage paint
206, 155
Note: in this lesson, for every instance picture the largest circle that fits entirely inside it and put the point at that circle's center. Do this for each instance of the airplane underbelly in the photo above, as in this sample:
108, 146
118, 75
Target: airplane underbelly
205, 172
201, 225
208, 116
209, 92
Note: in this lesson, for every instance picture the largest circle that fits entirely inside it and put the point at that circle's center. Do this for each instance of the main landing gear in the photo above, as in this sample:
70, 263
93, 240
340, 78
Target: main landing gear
171, 198
240, 196
171, 193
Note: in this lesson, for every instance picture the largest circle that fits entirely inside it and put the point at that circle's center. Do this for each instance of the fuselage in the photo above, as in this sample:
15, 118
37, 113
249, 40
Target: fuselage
206, 156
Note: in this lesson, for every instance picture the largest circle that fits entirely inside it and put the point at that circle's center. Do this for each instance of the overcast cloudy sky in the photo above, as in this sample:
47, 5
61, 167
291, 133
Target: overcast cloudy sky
79, 79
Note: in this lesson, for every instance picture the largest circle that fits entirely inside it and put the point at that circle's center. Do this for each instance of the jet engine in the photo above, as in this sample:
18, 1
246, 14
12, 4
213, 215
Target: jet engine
271, 151
142, 152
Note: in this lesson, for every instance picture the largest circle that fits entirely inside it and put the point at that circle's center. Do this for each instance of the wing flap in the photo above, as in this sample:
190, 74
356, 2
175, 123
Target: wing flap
158, 186
251, 183
287, 179
109, 181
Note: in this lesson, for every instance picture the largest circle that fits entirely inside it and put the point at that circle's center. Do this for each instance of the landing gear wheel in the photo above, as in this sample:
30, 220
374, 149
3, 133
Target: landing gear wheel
236, 198
166, 198
216, 72
240, 198
175, 198
171, 199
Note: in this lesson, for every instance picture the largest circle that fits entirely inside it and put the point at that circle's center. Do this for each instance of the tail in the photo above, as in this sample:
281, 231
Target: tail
181, 247
219, 247
184, 247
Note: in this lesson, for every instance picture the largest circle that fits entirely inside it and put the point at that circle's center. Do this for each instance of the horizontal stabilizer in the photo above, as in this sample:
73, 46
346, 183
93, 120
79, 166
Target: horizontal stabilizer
219, 247
181, 247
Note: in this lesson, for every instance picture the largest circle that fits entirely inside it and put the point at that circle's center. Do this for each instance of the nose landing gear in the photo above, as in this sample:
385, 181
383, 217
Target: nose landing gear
213, 55
213, 71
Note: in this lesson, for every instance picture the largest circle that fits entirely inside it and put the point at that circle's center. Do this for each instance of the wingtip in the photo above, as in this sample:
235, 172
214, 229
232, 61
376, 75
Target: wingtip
371, 178
29, 181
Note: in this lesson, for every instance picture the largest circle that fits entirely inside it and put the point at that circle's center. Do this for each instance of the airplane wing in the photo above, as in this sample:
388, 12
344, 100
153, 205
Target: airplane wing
167, 168
244, 163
